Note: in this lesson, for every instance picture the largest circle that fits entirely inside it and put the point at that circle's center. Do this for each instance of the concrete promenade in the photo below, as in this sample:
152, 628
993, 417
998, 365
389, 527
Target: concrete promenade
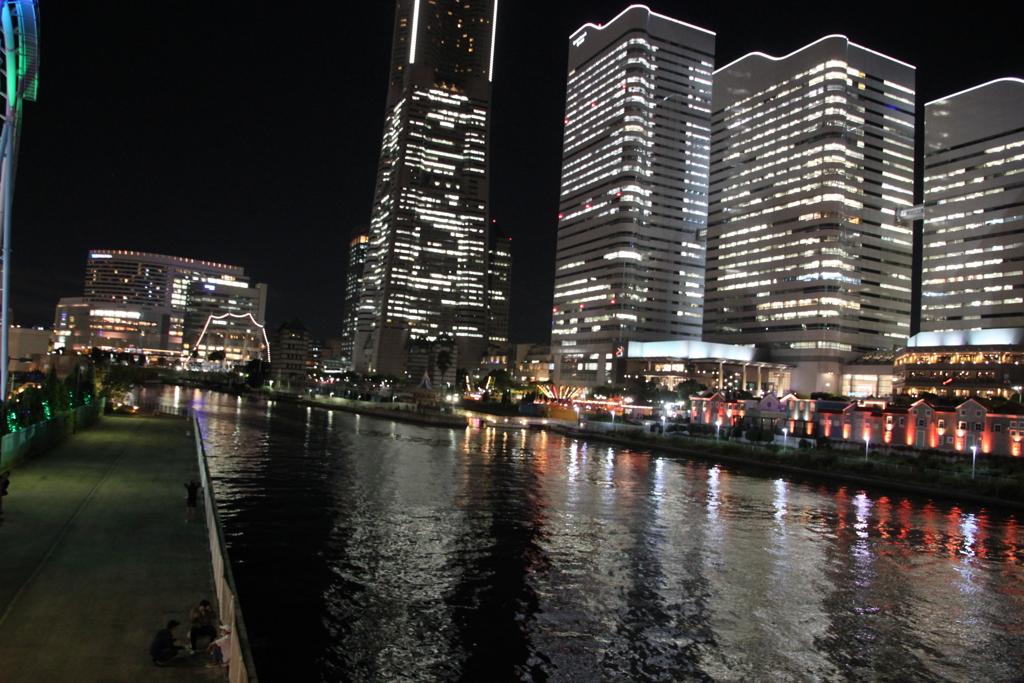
96, 556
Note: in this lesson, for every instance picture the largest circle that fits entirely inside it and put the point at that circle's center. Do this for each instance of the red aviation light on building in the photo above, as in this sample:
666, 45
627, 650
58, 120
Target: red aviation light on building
561, 216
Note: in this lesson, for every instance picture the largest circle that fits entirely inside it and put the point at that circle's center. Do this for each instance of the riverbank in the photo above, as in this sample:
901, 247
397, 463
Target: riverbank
831, 466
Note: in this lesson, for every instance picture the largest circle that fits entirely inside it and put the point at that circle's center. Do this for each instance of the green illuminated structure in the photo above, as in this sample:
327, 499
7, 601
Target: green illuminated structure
19, 32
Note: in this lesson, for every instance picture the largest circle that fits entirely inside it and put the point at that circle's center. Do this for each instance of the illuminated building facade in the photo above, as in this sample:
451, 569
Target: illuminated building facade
722, 367
157, 285
812, 160
80, 326
290, 365
986, 363
225, 319
357, 246
973, 236
499, 287
633, 203
426, 265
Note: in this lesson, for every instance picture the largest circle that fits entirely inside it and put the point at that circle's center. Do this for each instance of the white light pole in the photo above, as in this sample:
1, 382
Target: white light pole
867, 442
974, 458
785, 437
718, 431
19, 36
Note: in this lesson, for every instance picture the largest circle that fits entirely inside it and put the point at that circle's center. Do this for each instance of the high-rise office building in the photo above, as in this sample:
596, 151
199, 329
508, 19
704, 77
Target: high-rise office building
973, 236
426, 266
499, 286
812, 159
357, 246
633, 203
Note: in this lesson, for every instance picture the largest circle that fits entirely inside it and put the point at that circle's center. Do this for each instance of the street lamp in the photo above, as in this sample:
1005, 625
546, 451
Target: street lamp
867, 442
718, 430
785, 437
974, 458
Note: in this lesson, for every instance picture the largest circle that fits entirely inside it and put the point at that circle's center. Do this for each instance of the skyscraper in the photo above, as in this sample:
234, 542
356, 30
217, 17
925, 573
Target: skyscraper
633, 203
499, 286
812, 159
357, 246
973, 251
426, 268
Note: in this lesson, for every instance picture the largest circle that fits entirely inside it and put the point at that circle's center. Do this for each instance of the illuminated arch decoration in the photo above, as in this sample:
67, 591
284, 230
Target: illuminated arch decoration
19, 51
210, 318
555, 392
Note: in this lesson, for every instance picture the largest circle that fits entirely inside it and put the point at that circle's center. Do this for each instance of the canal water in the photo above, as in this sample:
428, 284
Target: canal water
368, 550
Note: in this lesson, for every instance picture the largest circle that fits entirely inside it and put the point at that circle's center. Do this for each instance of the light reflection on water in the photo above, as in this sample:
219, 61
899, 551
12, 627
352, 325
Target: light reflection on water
367, 550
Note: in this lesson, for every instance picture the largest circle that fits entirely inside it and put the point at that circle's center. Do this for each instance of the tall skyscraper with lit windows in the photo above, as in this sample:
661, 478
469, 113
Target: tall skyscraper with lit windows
973, 237
812, 160
633, 204
425, 276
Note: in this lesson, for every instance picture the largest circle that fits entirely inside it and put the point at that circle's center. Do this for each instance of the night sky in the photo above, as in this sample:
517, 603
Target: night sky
248, 133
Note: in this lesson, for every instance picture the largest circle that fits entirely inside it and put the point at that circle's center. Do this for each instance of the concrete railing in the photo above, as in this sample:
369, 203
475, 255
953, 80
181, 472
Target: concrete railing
41, 436
241, 668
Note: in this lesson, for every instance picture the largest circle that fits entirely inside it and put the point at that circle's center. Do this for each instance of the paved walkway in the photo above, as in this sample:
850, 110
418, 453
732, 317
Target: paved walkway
96, 556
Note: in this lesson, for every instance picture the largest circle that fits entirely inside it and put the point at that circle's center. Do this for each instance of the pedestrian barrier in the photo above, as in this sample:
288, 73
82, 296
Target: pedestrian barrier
241, 668
42, 436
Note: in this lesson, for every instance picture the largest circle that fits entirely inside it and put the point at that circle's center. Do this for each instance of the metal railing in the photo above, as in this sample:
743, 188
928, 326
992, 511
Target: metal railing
241, 668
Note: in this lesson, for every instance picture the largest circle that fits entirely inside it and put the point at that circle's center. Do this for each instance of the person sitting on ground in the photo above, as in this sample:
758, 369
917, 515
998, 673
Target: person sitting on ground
220, 649
203, 620
163, 648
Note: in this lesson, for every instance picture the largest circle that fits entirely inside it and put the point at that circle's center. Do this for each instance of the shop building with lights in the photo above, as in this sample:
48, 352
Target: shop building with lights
996, 429
973, 234
721, 367
985, 363
425, 277
633, 200
812, 161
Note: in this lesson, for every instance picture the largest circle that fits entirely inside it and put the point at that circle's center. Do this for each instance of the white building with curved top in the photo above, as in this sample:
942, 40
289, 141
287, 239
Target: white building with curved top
812, 161
633, 202
973, 235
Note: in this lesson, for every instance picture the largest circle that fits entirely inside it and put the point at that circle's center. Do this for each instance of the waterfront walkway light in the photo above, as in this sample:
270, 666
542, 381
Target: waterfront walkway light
718, 430
974, 459
867, 443
785, 437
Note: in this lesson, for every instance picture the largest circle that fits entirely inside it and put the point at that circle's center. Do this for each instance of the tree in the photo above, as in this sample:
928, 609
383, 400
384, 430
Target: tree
686, 389
443, 362
216, 356
116, 383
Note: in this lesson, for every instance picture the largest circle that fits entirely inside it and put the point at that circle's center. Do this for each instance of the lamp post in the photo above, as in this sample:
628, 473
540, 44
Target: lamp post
19, 52
718, 430
867, 443
974, 459
785, 437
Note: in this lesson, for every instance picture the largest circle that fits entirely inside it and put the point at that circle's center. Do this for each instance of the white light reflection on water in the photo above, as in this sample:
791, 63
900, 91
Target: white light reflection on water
408, 553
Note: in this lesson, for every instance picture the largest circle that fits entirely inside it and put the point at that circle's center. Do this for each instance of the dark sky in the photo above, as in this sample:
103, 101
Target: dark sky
247, 133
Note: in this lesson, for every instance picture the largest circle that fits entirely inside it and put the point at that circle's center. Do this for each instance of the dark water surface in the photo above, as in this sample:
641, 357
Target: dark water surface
366, 550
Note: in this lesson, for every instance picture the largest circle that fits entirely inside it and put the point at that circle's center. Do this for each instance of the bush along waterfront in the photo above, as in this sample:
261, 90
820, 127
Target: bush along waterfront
933, 471
37, 402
